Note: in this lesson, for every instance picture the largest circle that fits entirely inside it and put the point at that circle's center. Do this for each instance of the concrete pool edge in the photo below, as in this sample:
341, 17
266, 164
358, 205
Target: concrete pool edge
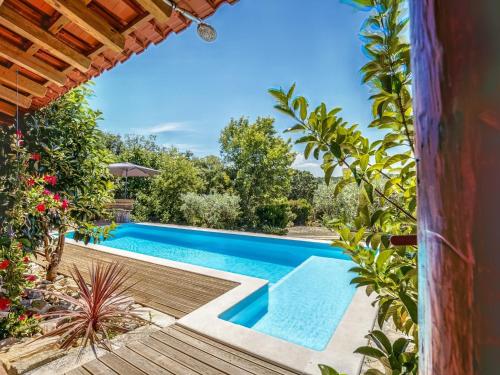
350, 332
237, 233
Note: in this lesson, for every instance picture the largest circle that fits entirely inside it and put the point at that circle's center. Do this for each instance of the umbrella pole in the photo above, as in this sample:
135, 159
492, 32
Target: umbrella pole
126, 182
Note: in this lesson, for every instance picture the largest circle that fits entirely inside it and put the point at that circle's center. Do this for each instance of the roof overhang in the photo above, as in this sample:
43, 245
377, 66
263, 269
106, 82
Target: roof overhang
48, 47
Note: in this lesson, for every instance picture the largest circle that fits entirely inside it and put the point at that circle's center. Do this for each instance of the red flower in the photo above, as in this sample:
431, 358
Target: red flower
19, 133
64, 204
22, 317
26, 259
19, 245
46, 192
52, 180
36, 156
4, 303
30, 278
40, 207
57, 197
4, 264
30, 182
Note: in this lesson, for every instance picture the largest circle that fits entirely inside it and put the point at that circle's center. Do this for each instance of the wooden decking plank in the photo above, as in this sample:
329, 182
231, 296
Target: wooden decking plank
140, 362
119, 365
181, 357
172, 291
96, 367
78, 371
160, 359
227, 356
200, 354
227, 348
147, 266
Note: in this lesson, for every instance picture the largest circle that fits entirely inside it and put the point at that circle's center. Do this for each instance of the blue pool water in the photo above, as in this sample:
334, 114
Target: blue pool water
309, 288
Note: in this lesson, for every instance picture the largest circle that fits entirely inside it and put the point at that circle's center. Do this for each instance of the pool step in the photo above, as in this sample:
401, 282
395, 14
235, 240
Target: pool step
306, 305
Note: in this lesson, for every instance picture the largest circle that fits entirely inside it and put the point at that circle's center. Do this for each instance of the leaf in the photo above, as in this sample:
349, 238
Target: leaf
363, 161
328, 174
327, 370
382, 258
381, 341
382, 312
400, 346
335, 149
410, 306
303, 108
370, 352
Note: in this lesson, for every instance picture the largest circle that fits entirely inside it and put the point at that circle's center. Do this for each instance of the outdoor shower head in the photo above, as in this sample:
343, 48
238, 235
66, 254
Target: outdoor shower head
206, 32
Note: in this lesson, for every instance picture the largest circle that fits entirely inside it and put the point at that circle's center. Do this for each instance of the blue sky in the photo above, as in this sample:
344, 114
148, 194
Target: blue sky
185, 90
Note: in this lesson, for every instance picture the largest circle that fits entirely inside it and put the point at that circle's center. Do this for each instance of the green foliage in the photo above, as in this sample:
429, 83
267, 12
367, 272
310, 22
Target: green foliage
68, 144
65, 134
214, 174
220, 211
302, 210
303, 185
258, 162
384, 172
396, 358
332, 203
162, 201
275, 216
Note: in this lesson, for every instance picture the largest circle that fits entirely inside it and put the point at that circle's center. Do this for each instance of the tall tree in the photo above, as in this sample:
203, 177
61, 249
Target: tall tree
259, 162
214, 173
303, 185
162, 201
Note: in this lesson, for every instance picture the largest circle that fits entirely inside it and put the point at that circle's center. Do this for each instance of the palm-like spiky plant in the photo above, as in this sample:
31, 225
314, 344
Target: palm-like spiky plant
103, 308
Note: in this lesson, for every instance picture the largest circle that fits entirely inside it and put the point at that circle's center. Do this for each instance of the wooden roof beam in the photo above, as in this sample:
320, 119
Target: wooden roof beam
42, 38
157, 8
90, 22
8, 109
24, 84
21, 58
13, 97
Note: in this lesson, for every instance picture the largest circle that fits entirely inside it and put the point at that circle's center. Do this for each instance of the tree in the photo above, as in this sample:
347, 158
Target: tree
258, 161
303, 185
67, 145
214, 174
162, 201
390, 273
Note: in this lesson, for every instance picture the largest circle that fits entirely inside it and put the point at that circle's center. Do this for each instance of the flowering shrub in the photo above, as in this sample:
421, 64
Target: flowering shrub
30, 206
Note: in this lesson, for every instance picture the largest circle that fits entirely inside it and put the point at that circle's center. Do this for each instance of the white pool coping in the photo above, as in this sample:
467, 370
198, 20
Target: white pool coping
349, 335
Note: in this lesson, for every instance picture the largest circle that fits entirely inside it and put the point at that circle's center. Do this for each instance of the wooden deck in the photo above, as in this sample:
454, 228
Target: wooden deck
177, 350
172, 291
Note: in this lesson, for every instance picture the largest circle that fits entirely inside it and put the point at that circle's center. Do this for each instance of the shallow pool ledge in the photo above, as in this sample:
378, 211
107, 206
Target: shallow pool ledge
339, 353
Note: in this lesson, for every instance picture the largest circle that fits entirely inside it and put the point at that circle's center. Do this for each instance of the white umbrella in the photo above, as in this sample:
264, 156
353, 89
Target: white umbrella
130, 170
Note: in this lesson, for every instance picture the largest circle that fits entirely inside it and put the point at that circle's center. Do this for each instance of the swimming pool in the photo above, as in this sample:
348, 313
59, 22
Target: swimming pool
308, 289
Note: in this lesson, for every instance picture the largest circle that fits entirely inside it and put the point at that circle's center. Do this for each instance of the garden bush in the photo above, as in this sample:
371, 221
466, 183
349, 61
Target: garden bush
343, 207
220, 211
302, 210
275, 215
